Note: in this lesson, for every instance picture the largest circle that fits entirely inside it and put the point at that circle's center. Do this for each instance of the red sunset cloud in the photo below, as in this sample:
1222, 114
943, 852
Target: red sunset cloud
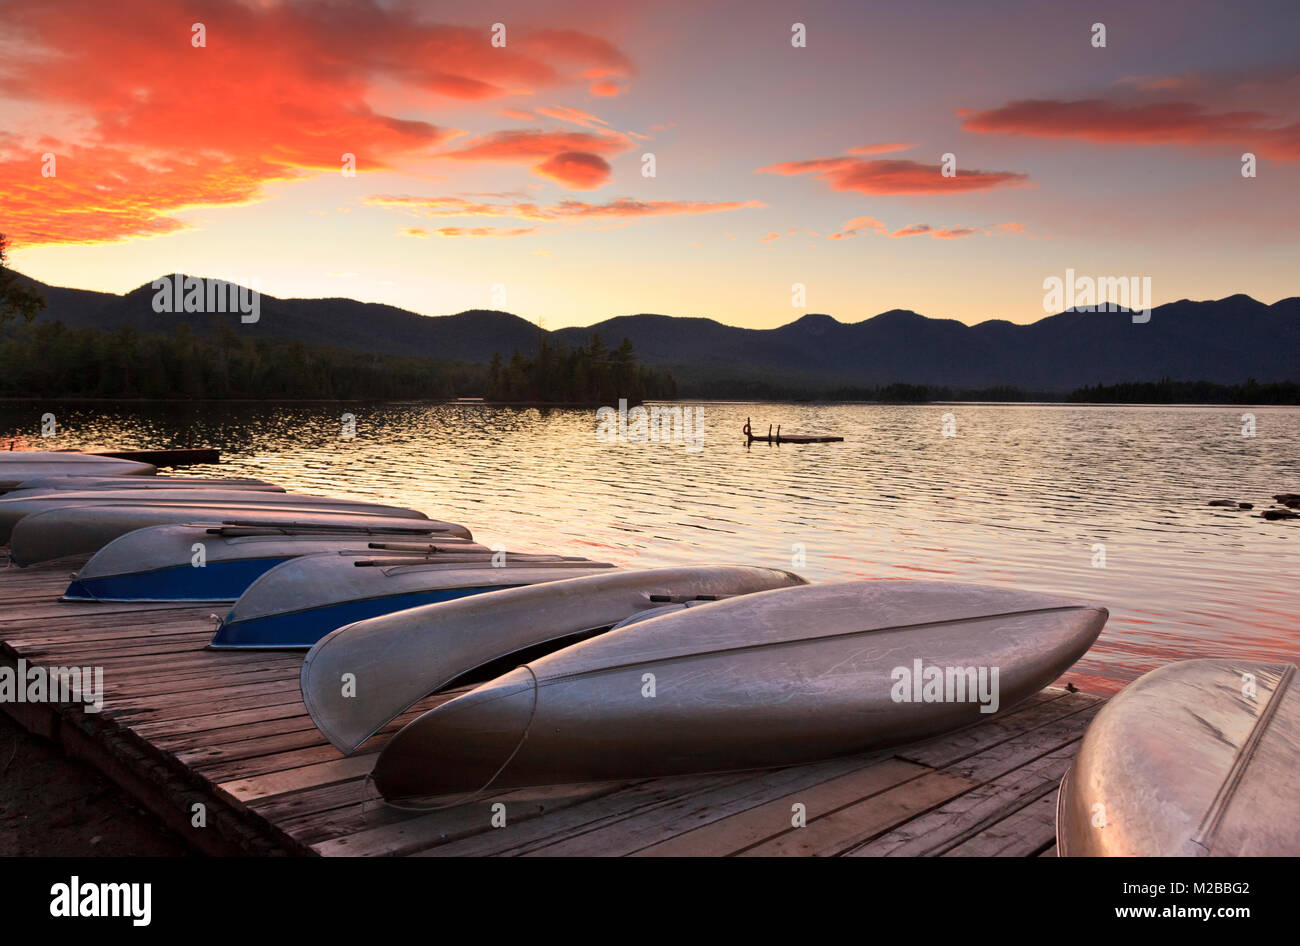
857, 225
576, 170
937, 233
526, 145
894, 177
470, 231
142, 123
572, 115
1155, 123
882, 148
860, 225
627, 207
571, 158
624, 207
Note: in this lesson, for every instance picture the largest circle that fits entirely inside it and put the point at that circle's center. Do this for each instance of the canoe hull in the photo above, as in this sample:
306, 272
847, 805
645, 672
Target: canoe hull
18, 466
85, 482
775, 678
84, 530
14, 506
400, 658
1196, 758
299, 601
159, 563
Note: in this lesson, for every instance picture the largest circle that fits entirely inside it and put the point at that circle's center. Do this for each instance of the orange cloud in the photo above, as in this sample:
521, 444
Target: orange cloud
860, 225
937, 233
624, 207
572, 115
894, 177
484, 231
279, 89
605, 86
1156, 123
424, 234
883, 148
570, 158
627, 207
526, 145
576, 170
857, 225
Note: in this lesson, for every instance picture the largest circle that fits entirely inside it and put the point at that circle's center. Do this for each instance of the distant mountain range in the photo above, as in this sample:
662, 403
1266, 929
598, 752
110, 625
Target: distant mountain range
1226, 341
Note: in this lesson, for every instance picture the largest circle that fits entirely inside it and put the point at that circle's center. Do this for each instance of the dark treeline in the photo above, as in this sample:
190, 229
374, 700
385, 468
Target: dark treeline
742, 388
922, 393
51, 360
1138, 392
1190, 392
591, 374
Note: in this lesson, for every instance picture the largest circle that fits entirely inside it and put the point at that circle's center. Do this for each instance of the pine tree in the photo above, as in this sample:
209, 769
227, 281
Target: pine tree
15, 299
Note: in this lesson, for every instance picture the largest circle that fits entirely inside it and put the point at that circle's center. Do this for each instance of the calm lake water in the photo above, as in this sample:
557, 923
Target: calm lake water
1025, 496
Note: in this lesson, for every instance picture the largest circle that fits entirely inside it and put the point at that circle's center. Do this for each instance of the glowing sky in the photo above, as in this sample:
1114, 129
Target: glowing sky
482, 166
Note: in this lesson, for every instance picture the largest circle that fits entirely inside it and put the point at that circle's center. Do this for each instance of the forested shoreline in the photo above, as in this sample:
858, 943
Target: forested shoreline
587, 374
50, 360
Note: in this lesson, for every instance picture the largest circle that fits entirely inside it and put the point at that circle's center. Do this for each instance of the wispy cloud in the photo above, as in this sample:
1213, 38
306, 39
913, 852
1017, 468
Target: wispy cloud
849, 173
623, 208
1152, 123
570, 158
883, 148
469, 232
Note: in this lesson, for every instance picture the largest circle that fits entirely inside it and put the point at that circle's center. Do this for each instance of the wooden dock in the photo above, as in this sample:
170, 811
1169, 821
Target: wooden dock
169, 457
183, 726
778, 437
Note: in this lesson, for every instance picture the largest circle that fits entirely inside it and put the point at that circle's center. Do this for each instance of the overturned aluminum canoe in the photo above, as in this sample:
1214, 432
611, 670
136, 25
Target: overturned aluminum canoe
218, 563
18, 457
400, 658
81, 530
87, 482
16, 466
769, 679
1196, 758
298, 602
18, 503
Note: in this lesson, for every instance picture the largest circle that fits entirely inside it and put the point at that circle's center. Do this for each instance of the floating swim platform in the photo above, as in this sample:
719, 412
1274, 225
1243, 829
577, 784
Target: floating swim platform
779, 437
